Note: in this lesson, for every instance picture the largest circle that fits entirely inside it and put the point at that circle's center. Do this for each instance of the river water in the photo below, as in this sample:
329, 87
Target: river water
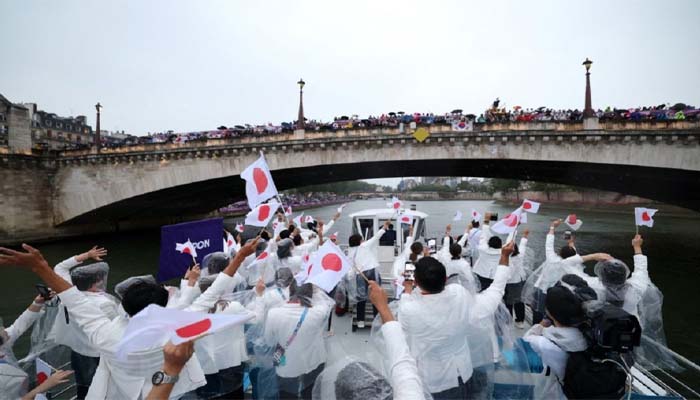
672, 247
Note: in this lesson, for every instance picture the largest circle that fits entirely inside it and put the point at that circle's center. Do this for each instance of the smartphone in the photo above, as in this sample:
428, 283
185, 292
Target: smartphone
567, 235
43, 291
432, 245
409, 271
494, 217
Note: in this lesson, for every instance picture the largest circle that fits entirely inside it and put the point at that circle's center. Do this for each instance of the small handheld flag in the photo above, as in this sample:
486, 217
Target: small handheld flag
508, 224
458, 216
395, 204
573, 222
475, 215
644, 216
530, 206
262, 214
259, 185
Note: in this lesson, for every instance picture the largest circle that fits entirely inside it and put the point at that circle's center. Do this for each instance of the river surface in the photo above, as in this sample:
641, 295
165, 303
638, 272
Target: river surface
672, 246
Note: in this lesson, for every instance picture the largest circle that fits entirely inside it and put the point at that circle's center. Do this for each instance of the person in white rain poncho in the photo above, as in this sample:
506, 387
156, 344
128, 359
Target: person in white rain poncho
92, 281
489, 255
434, 317
114, 379
13, 380
514, 288
363, 254
457, 268
294, 333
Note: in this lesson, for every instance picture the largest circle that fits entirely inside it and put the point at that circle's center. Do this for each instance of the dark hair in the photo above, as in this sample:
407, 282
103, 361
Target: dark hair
580, 287
265, 235
312, 226
516, 250
563, 305
391, 226
355, 240
303, 293
475, 224
140, 295
456, 251
567, 251
297, 240
284, 234
416, 249
291, 227
360, 381
84, 282
495, 242
430, 275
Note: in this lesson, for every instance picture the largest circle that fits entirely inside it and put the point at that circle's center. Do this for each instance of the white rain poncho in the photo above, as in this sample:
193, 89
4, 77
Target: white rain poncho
351, 379
215, 262
121, 287
13, 380
92, 276
304, 354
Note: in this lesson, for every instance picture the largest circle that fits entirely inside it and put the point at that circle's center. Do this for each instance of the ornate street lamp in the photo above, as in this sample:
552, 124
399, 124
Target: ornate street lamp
98, 142
300, 117
588, 110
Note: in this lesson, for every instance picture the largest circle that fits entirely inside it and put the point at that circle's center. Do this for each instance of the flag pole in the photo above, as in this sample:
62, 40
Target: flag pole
361, 273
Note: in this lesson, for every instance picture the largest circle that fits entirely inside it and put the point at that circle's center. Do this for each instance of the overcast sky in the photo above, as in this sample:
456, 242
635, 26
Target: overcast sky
195, 65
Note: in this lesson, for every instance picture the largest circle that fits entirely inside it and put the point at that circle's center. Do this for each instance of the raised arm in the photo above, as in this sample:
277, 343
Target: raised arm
63, 268
25, 320
640, 277
375, 239
487, 301
463, 240
549, 241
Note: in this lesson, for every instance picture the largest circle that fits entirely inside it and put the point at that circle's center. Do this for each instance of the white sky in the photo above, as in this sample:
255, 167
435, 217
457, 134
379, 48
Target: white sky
195, 65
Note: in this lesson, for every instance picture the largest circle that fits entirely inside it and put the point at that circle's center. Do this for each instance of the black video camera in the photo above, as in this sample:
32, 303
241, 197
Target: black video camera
610, 329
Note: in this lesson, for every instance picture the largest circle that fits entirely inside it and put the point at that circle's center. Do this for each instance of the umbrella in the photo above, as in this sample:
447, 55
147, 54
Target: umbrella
470, 116
401, 113
457, 111
344, 117
239, 127
222, 128
679, 107
540, 109
517, 108
393, 114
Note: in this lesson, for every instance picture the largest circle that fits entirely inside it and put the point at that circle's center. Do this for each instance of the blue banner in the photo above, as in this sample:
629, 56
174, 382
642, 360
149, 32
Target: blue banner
178, 244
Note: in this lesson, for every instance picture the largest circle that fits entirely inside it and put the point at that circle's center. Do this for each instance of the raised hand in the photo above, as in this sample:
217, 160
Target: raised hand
556, 223
526, 233
637, 243
175, 357
192, 275
96, 253
260, 287
248, 248
31, 258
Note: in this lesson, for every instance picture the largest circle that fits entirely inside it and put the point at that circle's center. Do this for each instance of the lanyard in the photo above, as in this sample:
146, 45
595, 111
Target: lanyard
279, 290
296, 330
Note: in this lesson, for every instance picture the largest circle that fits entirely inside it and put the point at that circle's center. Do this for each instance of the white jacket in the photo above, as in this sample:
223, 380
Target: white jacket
486, 265
400, 261
69, 334
403, 372
364, 256
307, 351
519, 272
113, 379
473, 240
552, 345
436, 329
225, 348
638, 284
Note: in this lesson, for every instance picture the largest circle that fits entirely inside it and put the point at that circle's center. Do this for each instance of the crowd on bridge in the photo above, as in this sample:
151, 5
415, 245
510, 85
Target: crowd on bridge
459, 119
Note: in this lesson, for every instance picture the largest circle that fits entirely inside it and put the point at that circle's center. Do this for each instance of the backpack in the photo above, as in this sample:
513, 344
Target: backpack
600, 371
588, 377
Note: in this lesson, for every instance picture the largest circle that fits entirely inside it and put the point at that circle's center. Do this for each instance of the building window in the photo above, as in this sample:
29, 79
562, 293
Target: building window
48, 133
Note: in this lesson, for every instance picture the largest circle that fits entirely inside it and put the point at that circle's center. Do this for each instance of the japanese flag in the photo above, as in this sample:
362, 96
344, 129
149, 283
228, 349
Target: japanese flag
475, 215
573, 222
288, 211
228, 242
334, 236
240, 228
405, 219
186, 248
309, 219
328, 266
43, 371
154, 326
457, 217
261, 258
262, 214
395, 203
259, 185
278, 227
530, 206
523, 218
508, 224
644, 216
340, 209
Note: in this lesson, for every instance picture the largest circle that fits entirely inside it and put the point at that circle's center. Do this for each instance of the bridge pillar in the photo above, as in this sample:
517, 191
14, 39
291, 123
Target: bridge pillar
591, 123
299, 134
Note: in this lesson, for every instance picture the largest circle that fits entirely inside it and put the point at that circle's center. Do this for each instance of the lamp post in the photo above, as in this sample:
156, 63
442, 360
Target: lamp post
300, 117
588, 110
98, 141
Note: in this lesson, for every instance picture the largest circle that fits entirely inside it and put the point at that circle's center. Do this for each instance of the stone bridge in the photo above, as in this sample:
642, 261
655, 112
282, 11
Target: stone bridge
79, 192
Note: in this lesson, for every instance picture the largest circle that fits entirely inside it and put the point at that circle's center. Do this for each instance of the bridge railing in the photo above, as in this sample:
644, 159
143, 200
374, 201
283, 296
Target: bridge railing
559, 127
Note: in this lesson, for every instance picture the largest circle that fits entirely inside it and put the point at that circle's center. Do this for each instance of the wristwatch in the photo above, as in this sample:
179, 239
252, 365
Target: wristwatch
160, 378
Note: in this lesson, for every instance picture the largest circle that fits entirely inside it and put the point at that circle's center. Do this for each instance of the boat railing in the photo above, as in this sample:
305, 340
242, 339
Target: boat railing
670, 381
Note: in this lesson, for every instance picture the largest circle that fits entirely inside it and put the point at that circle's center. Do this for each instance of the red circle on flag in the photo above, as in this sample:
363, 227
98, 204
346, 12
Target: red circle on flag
263, 212
260, 180
405, 219
397, 205
572, 219
41, 377
262, 255
194, 329
510, 220
332, 262
645, 216
527, 205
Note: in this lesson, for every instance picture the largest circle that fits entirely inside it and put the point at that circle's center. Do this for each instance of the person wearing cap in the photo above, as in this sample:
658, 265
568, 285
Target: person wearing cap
114, 379
434, 316
555, 336
616, 286
92, 281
